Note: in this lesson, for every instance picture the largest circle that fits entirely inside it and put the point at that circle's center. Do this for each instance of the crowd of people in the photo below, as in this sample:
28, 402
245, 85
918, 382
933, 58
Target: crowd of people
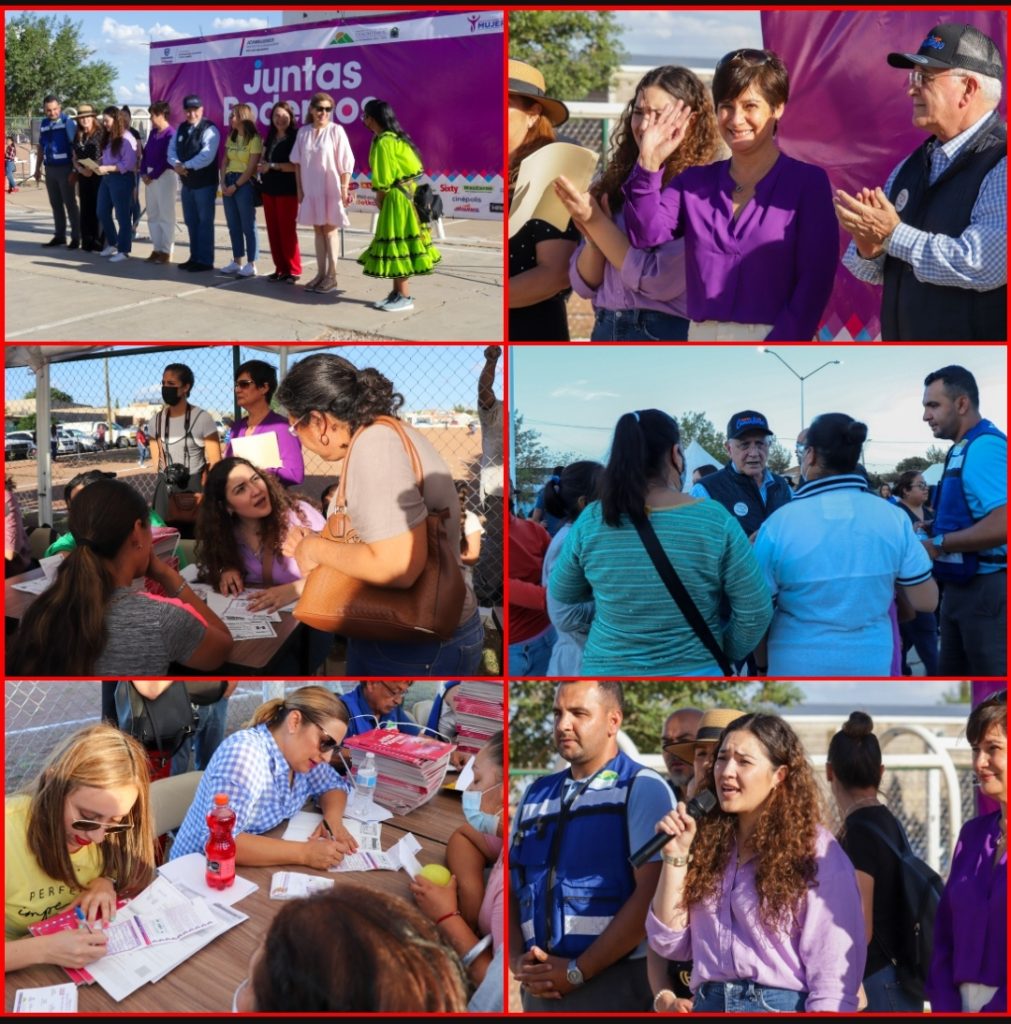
94, 165
254, 531
670, 244
748, 903
738, 572
82, 834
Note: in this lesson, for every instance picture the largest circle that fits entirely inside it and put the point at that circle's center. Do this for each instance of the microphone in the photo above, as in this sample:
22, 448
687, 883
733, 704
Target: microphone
698, 807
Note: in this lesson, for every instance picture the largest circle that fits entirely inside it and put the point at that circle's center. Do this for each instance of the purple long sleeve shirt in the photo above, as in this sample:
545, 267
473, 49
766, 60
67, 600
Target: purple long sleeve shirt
292, 468
283, 569
126, 162
824, 956
648, 279
155, 160
970, 929
774, 265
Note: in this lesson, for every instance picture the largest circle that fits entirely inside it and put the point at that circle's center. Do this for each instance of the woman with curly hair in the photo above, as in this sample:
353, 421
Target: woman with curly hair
638, 294
330, 402
766, 903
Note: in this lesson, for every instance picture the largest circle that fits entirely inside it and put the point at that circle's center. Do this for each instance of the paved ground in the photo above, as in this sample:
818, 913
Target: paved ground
58, 295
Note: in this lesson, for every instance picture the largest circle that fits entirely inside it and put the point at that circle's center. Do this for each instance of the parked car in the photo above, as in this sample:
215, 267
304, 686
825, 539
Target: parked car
19, 444
65, 444
83, 442
115, 435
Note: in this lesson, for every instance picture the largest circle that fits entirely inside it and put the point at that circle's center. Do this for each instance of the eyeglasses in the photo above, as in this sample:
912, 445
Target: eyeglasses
753, 57
397, 695
322, 110
916, 78
293, 428
327, 743
245, 383
83, 825
921, 486
800, 449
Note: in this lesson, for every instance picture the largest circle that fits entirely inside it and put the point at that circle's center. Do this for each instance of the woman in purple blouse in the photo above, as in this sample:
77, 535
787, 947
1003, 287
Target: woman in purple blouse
255, 384
968, 972
765, 903
760, 247
115, 193
637, 294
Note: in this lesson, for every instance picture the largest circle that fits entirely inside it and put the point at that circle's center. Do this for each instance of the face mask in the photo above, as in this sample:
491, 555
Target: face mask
235, 995
479, 820
169, 395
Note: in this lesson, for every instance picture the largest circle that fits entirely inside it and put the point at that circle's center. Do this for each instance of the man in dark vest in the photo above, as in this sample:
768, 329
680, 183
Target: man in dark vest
192, 154
936, 236
969, 532
746, 487
56, 153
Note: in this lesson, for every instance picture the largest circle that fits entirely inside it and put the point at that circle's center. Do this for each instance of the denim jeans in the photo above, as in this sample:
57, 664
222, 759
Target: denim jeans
886, 995
458, 656
240, 216
638, 325
210, 732
143, 452
10, 167
531, 657
116, 194
198, 212
746, 997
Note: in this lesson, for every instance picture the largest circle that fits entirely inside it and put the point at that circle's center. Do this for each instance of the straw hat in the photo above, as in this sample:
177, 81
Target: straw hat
711, 726
86, 110
526, 80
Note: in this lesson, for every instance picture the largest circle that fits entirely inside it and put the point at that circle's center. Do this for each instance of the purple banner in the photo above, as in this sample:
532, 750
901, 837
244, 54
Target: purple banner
442, 74
850, 113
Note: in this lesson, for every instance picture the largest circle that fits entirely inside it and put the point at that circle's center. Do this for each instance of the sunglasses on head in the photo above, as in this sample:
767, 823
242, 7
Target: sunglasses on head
83, 825
753, 57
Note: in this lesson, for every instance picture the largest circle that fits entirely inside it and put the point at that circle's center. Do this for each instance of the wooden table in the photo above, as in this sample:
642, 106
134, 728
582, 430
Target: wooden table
205, 983
245, 654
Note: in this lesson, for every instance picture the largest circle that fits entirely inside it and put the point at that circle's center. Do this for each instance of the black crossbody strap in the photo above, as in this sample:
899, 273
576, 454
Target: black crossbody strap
651, 542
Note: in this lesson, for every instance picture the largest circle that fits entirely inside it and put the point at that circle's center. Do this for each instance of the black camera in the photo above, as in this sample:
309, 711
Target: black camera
177, 475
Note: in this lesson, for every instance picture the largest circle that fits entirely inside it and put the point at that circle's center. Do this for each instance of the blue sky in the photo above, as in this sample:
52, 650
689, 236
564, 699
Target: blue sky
865, 695
436, 376
688, 33
121, 37
574, 396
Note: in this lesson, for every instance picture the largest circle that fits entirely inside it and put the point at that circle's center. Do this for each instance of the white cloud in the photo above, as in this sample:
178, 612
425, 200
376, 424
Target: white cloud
688, 33
159, 33
574, 390
122, 38
239, 24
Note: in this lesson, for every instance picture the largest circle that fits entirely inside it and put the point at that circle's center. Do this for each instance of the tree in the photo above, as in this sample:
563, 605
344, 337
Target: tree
915, 462
647, 704
961, 694
696, 426
55, 395
780, 458
46, 55
936, 454
575, 50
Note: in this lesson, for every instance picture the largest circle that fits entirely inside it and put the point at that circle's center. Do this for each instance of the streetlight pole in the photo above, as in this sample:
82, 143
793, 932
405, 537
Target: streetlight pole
800, 377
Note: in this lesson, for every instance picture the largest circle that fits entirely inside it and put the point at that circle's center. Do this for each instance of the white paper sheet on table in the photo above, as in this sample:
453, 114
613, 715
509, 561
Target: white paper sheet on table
50, 565
293, 885
36, 586
239, 609
367, 834
259, 449
123, 974
50, 999
189, 874
250, 629
400, 855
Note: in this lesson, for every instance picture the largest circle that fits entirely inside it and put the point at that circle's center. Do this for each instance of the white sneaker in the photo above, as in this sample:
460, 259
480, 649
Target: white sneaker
400, 304
109, 250
119, 257
249, 270
381, 304
232, 268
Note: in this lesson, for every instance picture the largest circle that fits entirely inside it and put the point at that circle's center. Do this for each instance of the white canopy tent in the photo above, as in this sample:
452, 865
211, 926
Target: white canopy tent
695, 456
39, 358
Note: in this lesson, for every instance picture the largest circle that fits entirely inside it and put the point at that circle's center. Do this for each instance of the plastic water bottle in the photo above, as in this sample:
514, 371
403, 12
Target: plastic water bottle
366, 783
220, 849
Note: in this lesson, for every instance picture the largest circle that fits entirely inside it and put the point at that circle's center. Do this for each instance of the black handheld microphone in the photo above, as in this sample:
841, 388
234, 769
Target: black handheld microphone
698, 807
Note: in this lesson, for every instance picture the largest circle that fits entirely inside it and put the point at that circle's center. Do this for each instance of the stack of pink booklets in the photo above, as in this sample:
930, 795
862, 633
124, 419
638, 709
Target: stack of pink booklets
410, 769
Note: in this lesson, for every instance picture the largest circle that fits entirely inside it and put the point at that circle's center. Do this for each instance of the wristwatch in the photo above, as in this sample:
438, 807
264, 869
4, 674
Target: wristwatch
574, 975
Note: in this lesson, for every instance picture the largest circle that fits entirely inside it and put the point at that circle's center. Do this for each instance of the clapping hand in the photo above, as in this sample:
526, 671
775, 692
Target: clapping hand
662, 133
868, 216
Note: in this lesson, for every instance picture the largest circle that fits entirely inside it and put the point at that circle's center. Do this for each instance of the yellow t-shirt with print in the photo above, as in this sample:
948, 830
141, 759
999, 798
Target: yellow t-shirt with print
31, 895
239, 152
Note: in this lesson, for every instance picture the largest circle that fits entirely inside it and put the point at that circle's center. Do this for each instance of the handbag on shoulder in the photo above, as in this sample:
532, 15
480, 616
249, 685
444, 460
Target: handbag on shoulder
334, 602
161, 724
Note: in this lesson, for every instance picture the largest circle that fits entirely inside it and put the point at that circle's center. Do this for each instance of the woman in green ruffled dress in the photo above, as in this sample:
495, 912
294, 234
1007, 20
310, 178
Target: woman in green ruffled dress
402, 246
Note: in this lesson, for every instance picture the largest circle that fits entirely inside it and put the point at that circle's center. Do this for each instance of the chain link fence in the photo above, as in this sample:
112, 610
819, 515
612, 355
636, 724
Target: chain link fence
37, 715
121, 388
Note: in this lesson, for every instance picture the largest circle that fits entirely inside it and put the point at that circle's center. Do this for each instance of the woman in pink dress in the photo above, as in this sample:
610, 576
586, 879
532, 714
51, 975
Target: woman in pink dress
323, 164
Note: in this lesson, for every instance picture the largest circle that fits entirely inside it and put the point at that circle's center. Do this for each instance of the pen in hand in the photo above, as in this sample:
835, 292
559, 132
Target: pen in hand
83, 919
329, 830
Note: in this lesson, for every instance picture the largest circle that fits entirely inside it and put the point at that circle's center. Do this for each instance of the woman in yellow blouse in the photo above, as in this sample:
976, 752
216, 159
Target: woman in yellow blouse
242, 148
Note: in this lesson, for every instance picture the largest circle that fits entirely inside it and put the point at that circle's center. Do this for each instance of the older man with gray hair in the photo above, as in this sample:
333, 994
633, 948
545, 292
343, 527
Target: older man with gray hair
936, 235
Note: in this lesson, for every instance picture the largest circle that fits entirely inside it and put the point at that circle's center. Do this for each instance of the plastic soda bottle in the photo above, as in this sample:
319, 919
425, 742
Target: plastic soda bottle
220, 847
366, 783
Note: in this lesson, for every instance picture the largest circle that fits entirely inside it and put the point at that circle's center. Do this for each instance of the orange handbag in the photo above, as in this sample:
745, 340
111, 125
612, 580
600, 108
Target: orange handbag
337, 603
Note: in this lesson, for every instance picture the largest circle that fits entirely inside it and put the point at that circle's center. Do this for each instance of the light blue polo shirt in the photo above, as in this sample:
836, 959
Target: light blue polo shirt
832, 558
984, 479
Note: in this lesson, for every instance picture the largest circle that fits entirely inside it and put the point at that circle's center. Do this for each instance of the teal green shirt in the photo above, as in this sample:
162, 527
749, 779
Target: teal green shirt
637, 628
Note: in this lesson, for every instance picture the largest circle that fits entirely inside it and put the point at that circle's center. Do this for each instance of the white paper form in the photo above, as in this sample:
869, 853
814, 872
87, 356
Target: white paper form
400, 855
250, 629
36, 586
367, 834
51, 999
293, 885
189, 875
259, 449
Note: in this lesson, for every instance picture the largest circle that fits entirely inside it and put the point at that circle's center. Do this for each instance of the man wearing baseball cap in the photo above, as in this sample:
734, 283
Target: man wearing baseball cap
192, 154
936, 236
746, 487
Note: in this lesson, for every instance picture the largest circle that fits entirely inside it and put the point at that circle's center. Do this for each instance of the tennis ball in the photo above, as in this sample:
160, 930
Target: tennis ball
436, 874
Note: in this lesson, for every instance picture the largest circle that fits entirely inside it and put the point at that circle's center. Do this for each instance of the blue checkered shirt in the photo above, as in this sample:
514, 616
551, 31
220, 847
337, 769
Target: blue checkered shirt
251, 769
976, 259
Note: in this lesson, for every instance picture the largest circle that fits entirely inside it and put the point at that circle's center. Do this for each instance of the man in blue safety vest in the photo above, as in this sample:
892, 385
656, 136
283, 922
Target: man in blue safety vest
969, 534
577, 915
56, 154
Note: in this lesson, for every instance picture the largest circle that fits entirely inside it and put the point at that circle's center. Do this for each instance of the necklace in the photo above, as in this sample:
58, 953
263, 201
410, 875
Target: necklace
739, 187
